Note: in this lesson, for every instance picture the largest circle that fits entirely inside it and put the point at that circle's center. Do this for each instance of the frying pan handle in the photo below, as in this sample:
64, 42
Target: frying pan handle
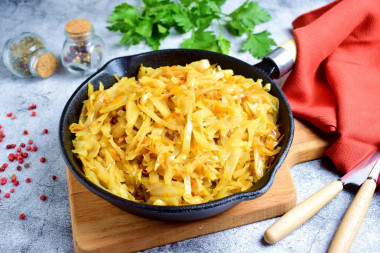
280, 61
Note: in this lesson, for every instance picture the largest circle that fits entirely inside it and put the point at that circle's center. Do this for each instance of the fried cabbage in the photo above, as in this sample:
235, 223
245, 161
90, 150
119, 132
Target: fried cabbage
178, 135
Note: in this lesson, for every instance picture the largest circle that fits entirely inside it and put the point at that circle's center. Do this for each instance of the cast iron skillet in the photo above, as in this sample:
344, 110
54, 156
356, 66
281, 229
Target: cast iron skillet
128, 66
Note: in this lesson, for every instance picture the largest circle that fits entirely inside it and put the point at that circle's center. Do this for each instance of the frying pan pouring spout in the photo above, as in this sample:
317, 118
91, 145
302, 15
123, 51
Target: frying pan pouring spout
272, 65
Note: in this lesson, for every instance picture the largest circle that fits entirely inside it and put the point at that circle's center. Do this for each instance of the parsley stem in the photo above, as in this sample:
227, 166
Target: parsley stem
220, 29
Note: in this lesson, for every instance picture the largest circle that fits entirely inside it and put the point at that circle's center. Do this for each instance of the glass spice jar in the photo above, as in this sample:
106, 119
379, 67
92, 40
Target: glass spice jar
25, 56
82, 51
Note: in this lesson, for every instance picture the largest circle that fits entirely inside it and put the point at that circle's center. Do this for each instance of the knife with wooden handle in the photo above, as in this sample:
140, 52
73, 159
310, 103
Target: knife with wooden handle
309, 207
353, 219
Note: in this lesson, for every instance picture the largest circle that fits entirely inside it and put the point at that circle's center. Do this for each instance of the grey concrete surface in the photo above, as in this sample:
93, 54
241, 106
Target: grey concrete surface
47, 226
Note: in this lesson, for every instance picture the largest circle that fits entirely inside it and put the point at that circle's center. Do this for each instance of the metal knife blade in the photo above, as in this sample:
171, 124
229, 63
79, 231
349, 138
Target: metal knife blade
363, 170
375, 171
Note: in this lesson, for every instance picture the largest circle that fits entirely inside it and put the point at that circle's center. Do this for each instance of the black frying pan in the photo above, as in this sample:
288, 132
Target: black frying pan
128, 66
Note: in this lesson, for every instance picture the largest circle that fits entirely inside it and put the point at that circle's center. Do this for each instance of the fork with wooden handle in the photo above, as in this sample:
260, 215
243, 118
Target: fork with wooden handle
352, 220
367, 172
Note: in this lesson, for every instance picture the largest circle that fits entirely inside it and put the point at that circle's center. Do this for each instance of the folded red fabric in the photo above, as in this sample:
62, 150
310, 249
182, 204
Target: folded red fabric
335, 83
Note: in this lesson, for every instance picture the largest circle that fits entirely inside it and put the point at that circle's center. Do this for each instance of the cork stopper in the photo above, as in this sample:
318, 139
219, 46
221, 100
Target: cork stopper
46, 65
78, 29
78, 26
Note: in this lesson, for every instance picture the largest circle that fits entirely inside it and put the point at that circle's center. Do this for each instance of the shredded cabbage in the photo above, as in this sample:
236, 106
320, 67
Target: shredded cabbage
178, 135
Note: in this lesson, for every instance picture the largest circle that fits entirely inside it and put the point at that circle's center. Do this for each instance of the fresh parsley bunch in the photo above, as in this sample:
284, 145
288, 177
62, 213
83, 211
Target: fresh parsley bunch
154, 21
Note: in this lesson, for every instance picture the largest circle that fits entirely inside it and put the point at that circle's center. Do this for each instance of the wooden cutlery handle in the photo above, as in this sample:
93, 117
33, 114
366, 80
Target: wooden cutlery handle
302, 212
353, 219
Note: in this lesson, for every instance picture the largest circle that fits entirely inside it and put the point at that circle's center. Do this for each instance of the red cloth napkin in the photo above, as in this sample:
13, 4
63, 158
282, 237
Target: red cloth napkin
335, 83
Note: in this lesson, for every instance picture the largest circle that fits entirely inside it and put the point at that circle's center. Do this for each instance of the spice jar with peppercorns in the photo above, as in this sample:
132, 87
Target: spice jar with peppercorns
25, 55
82, 51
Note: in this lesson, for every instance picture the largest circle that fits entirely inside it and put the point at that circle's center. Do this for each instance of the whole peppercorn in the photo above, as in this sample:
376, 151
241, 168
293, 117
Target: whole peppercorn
82, 51
3, 181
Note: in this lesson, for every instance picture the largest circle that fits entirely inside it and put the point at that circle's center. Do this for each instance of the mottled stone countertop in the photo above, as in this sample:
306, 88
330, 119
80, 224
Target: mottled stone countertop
47, 226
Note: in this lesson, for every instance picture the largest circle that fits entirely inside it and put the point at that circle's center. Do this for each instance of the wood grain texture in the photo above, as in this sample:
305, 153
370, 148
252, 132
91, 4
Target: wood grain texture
98, 226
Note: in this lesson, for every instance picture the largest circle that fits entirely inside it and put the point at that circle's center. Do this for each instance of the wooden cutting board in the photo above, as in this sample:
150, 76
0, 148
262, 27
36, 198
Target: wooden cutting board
98, 226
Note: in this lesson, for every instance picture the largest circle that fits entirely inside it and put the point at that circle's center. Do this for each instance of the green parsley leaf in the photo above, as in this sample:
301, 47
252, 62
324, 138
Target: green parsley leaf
224, 45
236, 27
122, 27
186, 3
258, 44
200, 40
183, 22
154, 21
135, 39
206, 40
126, 37
145, 27
218, 2
203, 22
122, 11
250, 14
154, 3
158, 34
162, 29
